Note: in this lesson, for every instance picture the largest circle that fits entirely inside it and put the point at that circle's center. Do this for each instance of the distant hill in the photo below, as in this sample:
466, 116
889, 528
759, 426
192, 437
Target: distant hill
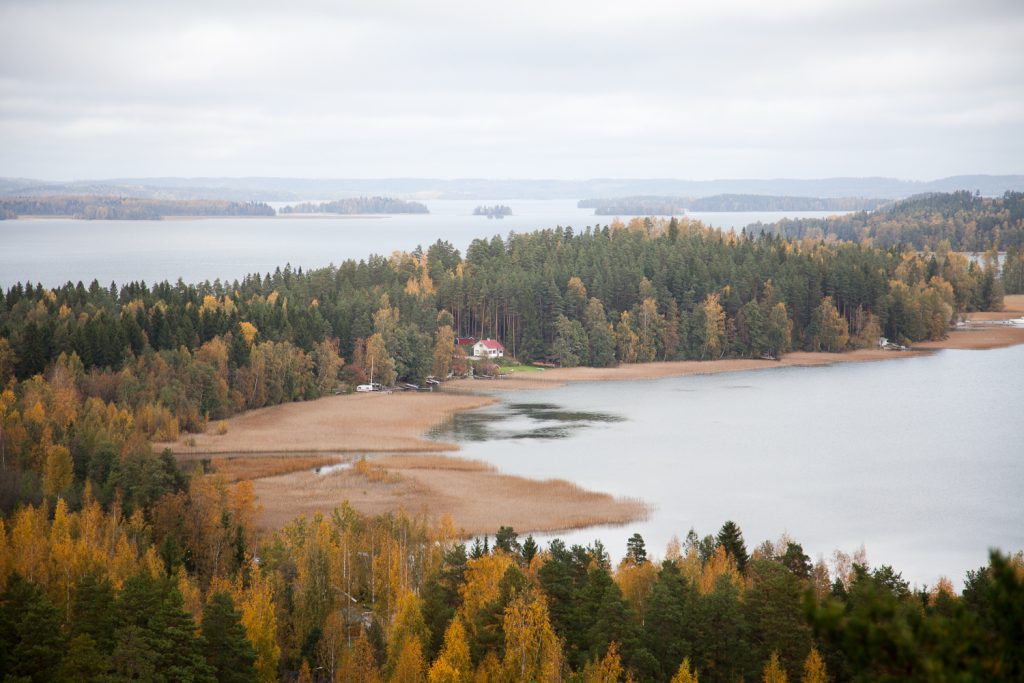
674, 206
298, 189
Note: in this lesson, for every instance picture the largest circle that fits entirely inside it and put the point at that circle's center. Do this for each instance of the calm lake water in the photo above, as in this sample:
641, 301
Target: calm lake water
53, 251
920, 459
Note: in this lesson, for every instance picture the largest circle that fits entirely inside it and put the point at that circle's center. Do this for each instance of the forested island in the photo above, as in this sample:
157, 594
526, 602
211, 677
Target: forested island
496, 211
358, 205
675, 206
969, 222
126, 208
110, 554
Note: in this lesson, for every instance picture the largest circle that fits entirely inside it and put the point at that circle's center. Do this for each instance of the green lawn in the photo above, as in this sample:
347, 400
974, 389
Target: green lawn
506, 369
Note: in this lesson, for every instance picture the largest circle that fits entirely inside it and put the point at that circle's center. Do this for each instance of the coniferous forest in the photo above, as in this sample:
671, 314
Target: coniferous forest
117, 565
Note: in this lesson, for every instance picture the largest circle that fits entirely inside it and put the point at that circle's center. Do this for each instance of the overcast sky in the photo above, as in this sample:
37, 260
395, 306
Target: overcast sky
374, 88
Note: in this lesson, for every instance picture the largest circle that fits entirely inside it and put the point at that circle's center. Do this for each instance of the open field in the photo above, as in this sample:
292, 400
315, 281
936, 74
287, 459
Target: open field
476, 497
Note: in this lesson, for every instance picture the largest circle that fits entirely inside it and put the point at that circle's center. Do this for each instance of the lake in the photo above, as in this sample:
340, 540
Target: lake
920, 459
54, 251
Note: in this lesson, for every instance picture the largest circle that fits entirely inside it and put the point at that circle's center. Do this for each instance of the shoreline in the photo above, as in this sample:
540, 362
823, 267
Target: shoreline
276, 447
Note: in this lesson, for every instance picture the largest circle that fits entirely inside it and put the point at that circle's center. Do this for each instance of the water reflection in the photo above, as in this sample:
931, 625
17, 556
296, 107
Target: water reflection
519, 421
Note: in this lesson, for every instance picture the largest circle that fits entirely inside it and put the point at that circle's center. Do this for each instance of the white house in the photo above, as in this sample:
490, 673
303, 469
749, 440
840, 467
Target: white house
488, 348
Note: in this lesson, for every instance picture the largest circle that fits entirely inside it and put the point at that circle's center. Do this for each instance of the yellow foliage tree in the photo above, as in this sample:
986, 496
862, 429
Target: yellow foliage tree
409, 667
685, 674
407, 626
453, 664
532, 650
608, 670
773, 671
814, 668
359, 664
444, 348
58, 472
249, 332
637, 582
483, 575
379, 362
712, 333
719, 564
260, 622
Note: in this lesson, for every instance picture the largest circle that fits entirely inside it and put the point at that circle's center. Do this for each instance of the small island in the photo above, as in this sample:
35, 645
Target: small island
496, 211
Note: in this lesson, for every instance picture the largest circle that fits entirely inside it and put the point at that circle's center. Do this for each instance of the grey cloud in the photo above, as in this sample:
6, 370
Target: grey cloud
690, 89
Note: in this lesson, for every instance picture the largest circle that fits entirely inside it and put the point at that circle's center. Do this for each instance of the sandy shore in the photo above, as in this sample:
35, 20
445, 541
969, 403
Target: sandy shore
353, 423
478, 498
556, 376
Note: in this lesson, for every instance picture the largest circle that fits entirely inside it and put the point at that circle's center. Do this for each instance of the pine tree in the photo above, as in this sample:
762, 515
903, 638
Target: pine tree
226, 648
30, 641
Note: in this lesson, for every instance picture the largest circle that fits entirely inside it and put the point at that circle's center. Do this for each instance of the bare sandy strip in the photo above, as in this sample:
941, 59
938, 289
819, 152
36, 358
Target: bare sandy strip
478, 498
557, 376
354, 423
984, 336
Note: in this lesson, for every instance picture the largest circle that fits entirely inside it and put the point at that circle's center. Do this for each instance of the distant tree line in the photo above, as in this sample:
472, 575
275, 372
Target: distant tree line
967, 221
637, 206
126, 208
676, 206
358, 205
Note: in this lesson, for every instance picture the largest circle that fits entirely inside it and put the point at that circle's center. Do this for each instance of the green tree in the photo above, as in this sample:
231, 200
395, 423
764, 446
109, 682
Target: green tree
31, 646
731, 538
225, 646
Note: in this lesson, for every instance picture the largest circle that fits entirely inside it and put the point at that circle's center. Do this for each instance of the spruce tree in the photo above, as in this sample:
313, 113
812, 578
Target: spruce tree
225, 646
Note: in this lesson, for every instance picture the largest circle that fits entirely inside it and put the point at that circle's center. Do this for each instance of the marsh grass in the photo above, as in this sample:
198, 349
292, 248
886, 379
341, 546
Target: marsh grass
245, 467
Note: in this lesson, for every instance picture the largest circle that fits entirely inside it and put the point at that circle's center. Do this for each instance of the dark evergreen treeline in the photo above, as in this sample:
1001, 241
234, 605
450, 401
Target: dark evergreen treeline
358, 205
669, 206
127, 208
969, 222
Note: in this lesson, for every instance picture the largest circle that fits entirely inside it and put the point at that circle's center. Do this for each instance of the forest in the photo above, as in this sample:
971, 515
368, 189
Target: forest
126, 208
183, 590
358, 205
117, 565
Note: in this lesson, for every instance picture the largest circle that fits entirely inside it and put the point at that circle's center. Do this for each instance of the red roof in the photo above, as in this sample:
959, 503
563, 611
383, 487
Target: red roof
465, 340
492, 344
